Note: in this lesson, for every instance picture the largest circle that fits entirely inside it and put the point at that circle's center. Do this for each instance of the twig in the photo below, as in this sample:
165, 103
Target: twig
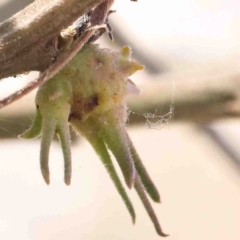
27, 39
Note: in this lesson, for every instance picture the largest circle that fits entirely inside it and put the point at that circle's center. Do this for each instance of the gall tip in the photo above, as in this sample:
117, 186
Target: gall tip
126, 51
135, 67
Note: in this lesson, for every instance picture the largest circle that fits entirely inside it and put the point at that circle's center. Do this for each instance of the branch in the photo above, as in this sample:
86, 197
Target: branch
27, 39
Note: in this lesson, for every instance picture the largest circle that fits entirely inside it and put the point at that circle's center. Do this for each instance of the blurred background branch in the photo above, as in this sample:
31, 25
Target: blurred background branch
203, 102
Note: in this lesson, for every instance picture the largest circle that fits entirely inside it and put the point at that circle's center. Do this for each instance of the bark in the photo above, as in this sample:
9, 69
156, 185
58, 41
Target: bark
27, 39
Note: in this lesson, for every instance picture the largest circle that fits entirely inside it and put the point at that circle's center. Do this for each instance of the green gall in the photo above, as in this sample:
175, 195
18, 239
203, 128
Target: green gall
89, 94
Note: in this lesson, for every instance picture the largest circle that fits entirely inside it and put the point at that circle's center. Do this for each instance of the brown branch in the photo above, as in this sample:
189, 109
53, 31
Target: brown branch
27, 38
